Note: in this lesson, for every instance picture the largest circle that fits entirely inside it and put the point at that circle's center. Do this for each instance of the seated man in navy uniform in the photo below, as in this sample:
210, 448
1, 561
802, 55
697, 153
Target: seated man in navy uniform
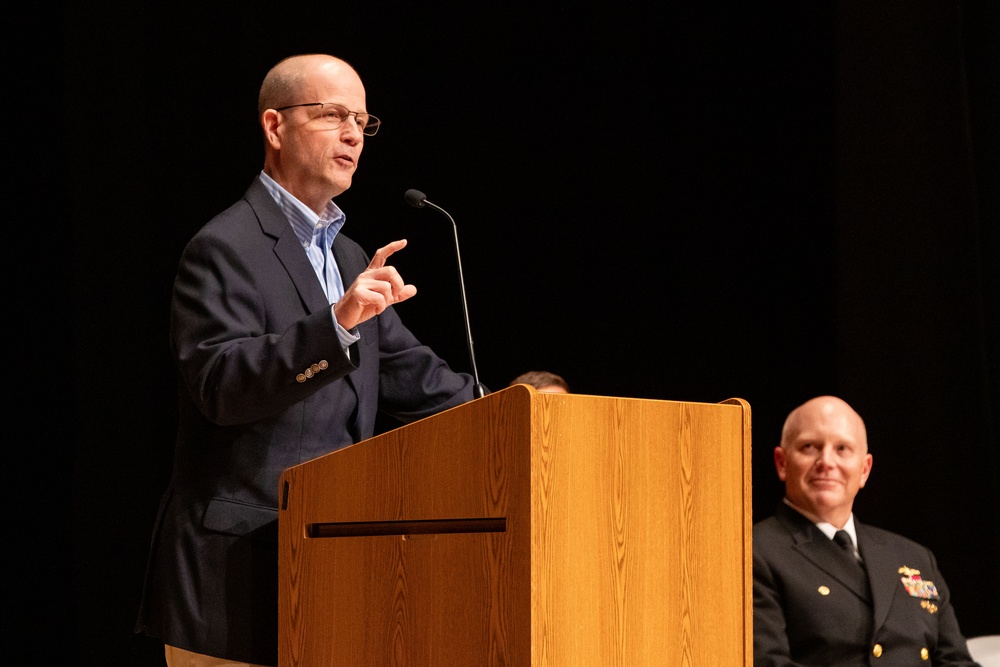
828, 590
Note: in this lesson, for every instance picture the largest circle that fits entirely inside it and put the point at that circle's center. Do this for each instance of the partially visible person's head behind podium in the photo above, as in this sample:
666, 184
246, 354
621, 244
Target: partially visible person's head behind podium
543, 381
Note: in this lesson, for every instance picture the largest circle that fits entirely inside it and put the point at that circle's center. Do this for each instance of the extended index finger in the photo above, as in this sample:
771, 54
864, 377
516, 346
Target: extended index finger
383, 253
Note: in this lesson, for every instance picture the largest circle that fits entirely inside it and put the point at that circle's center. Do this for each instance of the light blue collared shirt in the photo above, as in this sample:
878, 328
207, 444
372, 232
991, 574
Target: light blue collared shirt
316, 234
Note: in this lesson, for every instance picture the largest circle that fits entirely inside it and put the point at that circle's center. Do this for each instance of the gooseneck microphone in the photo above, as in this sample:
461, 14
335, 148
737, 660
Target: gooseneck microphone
417, 199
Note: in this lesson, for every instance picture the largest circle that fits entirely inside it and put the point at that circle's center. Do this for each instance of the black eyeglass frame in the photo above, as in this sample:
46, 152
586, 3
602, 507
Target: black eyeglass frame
369, 129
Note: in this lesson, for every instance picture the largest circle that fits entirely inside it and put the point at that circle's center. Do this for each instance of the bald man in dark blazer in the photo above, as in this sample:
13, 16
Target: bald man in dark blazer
829, 590
287, 345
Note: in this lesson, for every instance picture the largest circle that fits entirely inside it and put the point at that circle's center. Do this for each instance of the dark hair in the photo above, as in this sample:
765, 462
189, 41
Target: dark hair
539, 379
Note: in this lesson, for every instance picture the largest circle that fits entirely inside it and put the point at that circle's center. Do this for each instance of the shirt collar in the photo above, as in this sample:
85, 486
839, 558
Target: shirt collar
828, 528
309, 228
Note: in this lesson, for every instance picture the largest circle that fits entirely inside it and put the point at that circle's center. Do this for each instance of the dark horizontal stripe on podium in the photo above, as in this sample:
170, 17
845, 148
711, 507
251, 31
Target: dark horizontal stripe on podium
442, 526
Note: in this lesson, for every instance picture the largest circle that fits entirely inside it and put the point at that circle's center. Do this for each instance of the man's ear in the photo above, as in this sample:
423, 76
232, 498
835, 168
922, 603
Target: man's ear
269, 123
866, 469
779, 462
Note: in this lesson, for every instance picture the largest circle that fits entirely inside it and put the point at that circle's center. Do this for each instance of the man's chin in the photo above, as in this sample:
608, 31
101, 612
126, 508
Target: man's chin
341, 185
826, 500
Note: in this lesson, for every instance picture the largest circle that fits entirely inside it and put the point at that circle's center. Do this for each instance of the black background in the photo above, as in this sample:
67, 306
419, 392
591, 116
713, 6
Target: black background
696, 202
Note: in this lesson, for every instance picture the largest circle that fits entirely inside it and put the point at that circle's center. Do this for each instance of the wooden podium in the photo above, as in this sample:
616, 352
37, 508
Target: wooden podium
523, 529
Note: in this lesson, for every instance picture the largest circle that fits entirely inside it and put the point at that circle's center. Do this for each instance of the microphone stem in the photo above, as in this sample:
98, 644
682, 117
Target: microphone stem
478, 390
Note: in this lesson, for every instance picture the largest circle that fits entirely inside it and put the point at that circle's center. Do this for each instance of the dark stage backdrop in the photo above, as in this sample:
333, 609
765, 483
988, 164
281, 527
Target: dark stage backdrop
759, 200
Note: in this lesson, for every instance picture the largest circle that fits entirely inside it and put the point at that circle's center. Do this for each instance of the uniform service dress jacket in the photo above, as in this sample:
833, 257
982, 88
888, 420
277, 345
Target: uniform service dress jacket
815, 605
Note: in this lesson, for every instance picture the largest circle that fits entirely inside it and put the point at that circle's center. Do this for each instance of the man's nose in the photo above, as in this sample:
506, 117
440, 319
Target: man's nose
350, 132
826, 457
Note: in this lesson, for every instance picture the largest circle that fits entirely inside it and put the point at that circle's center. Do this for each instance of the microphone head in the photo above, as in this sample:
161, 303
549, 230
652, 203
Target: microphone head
415, 198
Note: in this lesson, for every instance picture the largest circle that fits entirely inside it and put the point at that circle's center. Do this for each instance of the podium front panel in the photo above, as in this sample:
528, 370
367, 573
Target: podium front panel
525, 529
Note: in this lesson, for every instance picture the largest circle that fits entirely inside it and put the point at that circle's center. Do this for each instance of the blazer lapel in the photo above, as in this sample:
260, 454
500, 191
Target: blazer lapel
823, 553
350, 265
287, 247
881, 565
288, 250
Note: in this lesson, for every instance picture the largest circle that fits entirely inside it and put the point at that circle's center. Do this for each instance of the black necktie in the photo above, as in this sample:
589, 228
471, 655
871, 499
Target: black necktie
861, 586
843, 539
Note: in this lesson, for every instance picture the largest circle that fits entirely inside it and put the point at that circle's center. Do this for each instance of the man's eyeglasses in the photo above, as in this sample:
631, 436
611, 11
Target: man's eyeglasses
335, 114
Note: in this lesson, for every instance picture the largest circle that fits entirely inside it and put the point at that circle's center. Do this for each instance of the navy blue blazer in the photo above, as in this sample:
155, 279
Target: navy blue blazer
814, 606
264, 385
